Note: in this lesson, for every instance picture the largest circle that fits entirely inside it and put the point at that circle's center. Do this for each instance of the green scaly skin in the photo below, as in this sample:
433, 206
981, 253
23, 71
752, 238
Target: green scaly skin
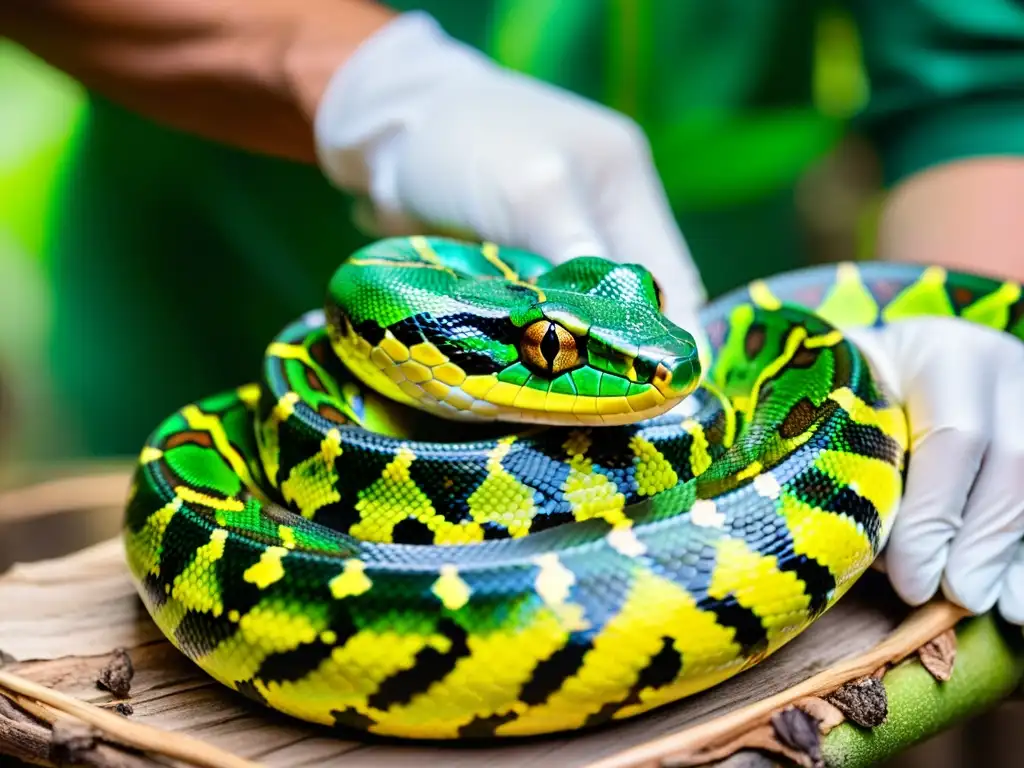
337, 542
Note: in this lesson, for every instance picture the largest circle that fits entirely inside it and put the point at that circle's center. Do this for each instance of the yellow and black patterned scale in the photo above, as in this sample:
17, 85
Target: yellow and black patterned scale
340, 542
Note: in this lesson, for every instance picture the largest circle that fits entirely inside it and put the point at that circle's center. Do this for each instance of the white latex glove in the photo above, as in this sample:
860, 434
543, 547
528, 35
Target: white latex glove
961, 523
437, 134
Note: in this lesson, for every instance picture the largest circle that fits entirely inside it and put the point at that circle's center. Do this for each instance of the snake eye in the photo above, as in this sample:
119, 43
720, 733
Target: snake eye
549, 349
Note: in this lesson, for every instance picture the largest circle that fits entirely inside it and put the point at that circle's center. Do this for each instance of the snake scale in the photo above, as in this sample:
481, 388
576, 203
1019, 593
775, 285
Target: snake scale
481, 496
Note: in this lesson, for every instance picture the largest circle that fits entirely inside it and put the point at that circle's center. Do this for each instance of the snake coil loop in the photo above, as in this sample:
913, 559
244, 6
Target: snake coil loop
365, 537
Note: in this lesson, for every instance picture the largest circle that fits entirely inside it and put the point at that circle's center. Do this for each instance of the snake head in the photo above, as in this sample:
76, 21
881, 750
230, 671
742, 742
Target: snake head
597, 348
473, 334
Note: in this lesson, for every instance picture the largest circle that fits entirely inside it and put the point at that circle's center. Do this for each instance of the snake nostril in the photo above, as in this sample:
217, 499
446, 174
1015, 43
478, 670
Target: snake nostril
662, 375
675, 376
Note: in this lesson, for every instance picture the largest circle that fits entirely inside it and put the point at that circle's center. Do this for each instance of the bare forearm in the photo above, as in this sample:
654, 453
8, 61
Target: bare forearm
246, 72
968, 215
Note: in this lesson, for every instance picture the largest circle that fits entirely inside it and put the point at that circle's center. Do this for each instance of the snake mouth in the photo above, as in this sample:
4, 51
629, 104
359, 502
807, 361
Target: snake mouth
429, 381
563, 378
583, 396
488, 398
485, 398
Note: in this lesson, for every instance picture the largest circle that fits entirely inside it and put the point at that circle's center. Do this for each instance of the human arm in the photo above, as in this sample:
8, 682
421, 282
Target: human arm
432, 133
965, 214
249, 73
946, 112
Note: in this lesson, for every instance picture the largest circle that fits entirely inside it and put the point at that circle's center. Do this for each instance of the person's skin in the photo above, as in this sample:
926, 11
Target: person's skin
967, 214
249, 73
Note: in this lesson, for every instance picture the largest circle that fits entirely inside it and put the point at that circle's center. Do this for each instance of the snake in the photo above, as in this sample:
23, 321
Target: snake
478, 494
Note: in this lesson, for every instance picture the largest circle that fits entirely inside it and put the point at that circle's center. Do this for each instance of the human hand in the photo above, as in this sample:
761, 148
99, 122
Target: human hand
436, 134
961, 523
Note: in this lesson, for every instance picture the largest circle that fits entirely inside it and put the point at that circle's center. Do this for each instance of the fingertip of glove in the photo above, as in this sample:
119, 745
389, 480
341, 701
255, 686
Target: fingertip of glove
913, 595
914, 581
1012, 609
971, 591
1011, 598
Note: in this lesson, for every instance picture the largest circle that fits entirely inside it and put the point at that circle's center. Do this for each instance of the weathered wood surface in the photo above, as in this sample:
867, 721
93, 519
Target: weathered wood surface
61, 619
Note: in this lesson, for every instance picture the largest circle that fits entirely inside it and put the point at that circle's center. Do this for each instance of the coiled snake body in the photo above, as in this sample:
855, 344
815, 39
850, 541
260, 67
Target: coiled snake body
340, 542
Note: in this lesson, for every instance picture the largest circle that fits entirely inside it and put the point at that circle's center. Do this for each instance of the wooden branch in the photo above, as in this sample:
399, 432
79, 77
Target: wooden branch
143, 737
72, 493
25, 739
695, 746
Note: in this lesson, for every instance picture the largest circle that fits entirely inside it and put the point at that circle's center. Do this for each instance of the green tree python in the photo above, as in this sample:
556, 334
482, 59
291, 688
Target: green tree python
479, 495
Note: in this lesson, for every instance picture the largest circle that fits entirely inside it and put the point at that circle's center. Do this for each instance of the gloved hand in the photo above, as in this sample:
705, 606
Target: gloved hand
961, 523
436, 134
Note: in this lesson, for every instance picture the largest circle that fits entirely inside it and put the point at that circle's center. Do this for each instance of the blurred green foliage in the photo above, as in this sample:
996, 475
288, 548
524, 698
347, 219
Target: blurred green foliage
39, 110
